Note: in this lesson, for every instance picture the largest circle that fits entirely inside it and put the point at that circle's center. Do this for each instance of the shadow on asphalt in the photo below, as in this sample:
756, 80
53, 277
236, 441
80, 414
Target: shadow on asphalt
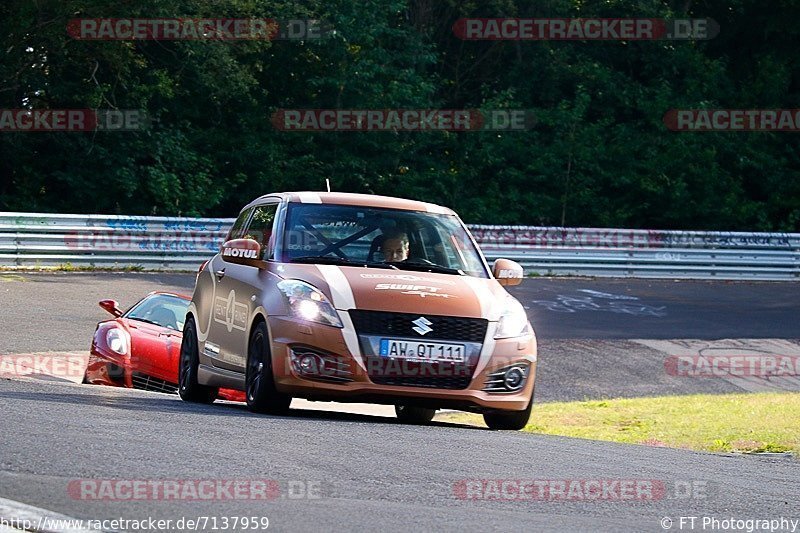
168, 404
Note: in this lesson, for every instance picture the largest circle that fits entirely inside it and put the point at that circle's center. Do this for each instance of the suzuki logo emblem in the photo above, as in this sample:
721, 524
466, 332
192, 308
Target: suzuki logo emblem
422, 325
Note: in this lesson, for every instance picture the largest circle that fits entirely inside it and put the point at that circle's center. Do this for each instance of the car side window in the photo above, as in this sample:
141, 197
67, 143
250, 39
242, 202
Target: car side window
237, 230
260, 228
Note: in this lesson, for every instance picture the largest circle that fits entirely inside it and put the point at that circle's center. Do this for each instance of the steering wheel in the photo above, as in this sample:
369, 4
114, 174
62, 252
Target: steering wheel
373, 248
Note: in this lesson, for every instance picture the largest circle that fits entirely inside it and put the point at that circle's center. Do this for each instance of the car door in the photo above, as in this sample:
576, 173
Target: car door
218, 309
239, 289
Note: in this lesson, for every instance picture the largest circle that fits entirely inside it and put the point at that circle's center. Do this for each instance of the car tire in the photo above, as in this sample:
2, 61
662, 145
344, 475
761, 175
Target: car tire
260, 391
409, 414
511, 420
188, 388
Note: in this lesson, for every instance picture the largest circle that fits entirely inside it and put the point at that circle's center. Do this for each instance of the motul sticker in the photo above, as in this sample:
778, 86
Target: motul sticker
240, 252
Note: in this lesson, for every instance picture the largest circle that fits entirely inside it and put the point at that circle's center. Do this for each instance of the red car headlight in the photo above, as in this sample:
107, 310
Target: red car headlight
118, 341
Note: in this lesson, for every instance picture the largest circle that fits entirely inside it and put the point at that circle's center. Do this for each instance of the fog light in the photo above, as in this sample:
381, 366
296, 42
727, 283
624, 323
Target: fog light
514, 378
308, 364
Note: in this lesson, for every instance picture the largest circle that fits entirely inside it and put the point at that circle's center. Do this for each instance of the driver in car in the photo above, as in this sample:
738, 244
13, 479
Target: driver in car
395, 247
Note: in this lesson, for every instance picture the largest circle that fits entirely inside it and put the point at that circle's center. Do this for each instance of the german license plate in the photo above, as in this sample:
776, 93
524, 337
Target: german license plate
423, 351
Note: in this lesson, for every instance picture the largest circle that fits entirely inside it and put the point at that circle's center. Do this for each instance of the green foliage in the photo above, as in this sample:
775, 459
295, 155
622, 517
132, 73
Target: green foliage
599, 154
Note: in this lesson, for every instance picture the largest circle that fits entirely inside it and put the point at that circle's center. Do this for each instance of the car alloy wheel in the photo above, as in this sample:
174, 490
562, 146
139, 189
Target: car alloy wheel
188, 387
262, 396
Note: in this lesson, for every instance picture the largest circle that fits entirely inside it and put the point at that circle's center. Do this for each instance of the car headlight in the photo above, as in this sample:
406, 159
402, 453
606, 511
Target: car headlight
513, 320
117, 340
309, 303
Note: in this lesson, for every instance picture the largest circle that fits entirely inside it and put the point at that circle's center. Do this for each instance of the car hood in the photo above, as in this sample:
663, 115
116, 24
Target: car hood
137, 326
403, 291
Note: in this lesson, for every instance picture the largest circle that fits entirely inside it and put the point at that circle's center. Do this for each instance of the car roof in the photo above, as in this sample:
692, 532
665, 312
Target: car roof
167, 293
356, 199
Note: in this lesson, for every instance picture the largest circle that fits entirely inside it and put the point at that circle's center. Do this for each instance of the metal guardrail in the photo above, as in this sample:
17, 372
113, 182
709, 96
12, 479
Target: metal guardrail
46, 240
645, 253
36, 239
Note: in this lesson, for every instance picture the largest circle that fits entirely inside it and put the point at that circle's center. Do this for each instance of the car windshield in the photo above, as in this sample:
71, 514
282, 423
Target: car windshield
386, 238
162, 310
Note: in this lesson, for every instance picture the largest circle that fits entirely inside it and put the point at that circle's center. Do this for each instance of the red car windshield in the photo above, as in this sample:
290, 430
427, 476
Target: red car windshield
162, 310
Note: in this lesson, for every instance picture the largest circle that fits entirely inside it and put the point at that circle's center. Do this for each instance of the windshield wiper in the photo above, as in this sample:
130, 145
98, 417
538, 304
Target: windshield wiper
429, 267
331, 260
145, 320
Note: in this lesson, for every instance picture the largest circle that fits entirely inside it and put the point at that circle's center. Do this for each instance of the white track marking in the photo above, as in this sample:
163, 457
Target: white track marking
735, 347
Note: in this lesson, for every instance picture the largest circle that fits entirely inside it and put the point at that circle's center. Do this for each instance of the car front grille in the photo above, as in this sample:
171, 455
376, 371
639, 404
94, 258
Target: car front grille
400, 325
451, 383
145, 382
409, 373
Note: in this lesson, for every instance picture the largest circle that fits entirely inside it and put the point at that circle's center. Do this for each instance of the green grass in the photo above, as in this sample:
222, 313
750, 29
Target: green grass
746, 423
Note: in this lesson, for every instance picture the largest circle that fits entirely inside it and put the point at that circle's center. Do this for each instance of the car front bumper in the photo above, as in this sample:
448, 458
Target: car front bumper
108, 368
345, 375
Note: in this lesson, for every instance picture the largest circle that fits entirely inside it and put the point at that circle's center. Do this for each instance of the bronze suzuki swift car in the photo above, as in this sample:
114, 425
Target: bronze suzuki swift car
350, 297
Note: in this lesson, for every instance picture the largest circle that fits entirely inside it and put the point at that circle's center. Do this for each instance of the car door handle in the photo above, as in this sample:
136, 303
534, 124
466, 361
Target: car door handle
220, 274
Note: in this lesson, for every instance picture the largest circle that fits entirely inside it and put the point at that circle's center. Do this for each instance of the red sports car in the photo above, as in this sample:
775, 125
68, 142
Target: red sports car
140, 348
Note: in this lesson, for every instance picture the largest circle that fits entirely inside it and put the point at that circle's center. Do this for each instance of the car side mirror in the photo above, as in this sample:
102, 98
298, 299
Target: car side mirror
508, 272
111, 306
243, 252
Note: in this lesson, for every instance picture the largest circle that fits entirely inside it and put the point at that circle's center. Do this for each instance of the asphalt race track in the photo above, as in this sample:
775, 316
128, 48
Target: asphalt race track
373, 474
355, 472
585, 327
559, 308
658, 309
